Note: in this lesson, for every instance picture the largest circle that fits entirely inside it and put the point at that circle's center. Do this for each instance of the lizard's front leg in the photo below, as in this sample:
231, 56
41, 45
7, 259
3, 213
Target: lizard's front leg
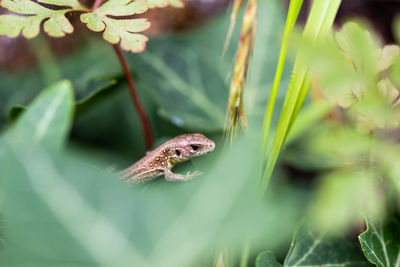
170, 176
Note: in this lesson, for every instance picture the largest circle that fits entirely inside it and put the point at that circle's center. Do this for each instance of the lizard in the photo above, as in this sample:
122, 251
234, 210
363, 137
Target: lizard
162, 159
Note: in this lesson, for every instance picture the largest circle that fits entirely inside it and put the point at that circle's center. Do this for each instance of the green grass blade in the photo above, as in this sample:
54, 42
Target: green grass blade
319, 23
291, 19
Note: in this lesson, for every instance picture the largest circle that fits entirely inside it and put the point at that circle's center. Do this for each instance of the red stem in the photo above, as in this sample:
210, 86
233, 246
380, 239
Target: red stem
132, 89
135, 97
97, 4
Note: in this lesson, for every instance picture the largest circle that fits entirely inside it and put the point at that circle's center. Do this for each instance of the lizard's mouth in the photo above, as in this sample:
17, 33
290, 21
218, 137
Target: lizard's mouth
212, 146
207, 149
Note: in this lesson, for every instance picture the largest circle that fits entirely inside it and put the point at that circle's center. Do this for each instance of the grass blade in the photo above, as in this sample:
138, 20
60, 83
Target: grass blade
291, 19
319, 23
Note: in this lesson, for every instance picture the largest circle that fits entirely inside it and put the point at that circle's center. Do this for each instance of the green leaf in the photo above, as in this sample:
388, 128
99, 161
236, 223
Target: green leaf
375, 111
15, 112
342, 196
310, 116
93, 77
164, 3
388, 56
395, 71
47, 119
347, 67
203, 112
381, 242
267, 259
336, 77
347, 72
101, 221
56, 24
104, 90
313, 248
122, 30
362, 49
187, 77
2, 239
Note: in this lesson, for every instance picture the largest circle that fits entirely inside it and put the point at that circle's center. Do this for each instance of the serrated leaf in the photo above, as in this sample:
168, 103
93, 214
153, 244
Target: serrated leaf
381, 243
267, 259
120, 29
362, 49
341, 196
388, 90
375, 110
164, 3
313, 248
66, 3
388, 55
32, 15
122, 7
335, 75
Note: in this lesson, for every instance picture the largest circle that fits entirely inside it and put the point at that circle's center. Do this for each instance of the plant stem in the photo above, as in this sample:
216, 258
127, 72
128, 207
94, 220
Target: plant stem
132, 89
135, 97
97, 4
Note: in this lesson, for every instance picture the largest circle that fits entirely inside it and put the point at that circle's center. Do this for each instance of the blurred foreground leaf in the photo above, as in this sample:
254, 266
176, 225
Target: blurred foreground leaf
93, 77
78, 214
48, 120
342, 195
351, 71
104, 90
381, 243
101, 221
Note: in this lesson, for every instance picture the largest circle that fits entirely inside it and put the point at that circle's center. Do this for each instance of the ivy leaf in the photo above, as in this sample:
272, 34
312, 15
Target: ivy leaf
313, 248
381, 243
120, 30
267, 259
56, 24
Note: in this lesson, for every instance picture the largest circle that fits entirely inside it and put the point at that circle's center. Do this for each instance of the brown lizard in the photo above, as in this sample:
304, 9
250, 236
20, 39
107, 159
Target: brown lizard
161, 160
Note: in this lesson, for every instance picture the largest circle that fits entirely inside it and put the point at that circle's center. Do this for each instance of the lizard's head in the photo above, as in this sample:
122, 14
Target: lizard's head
188, 146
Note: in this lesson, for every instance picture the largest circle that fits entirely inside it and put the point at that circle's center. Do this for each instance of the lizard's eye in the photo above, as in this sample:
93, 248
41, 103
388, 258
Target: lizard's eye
194, 147
177, 152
